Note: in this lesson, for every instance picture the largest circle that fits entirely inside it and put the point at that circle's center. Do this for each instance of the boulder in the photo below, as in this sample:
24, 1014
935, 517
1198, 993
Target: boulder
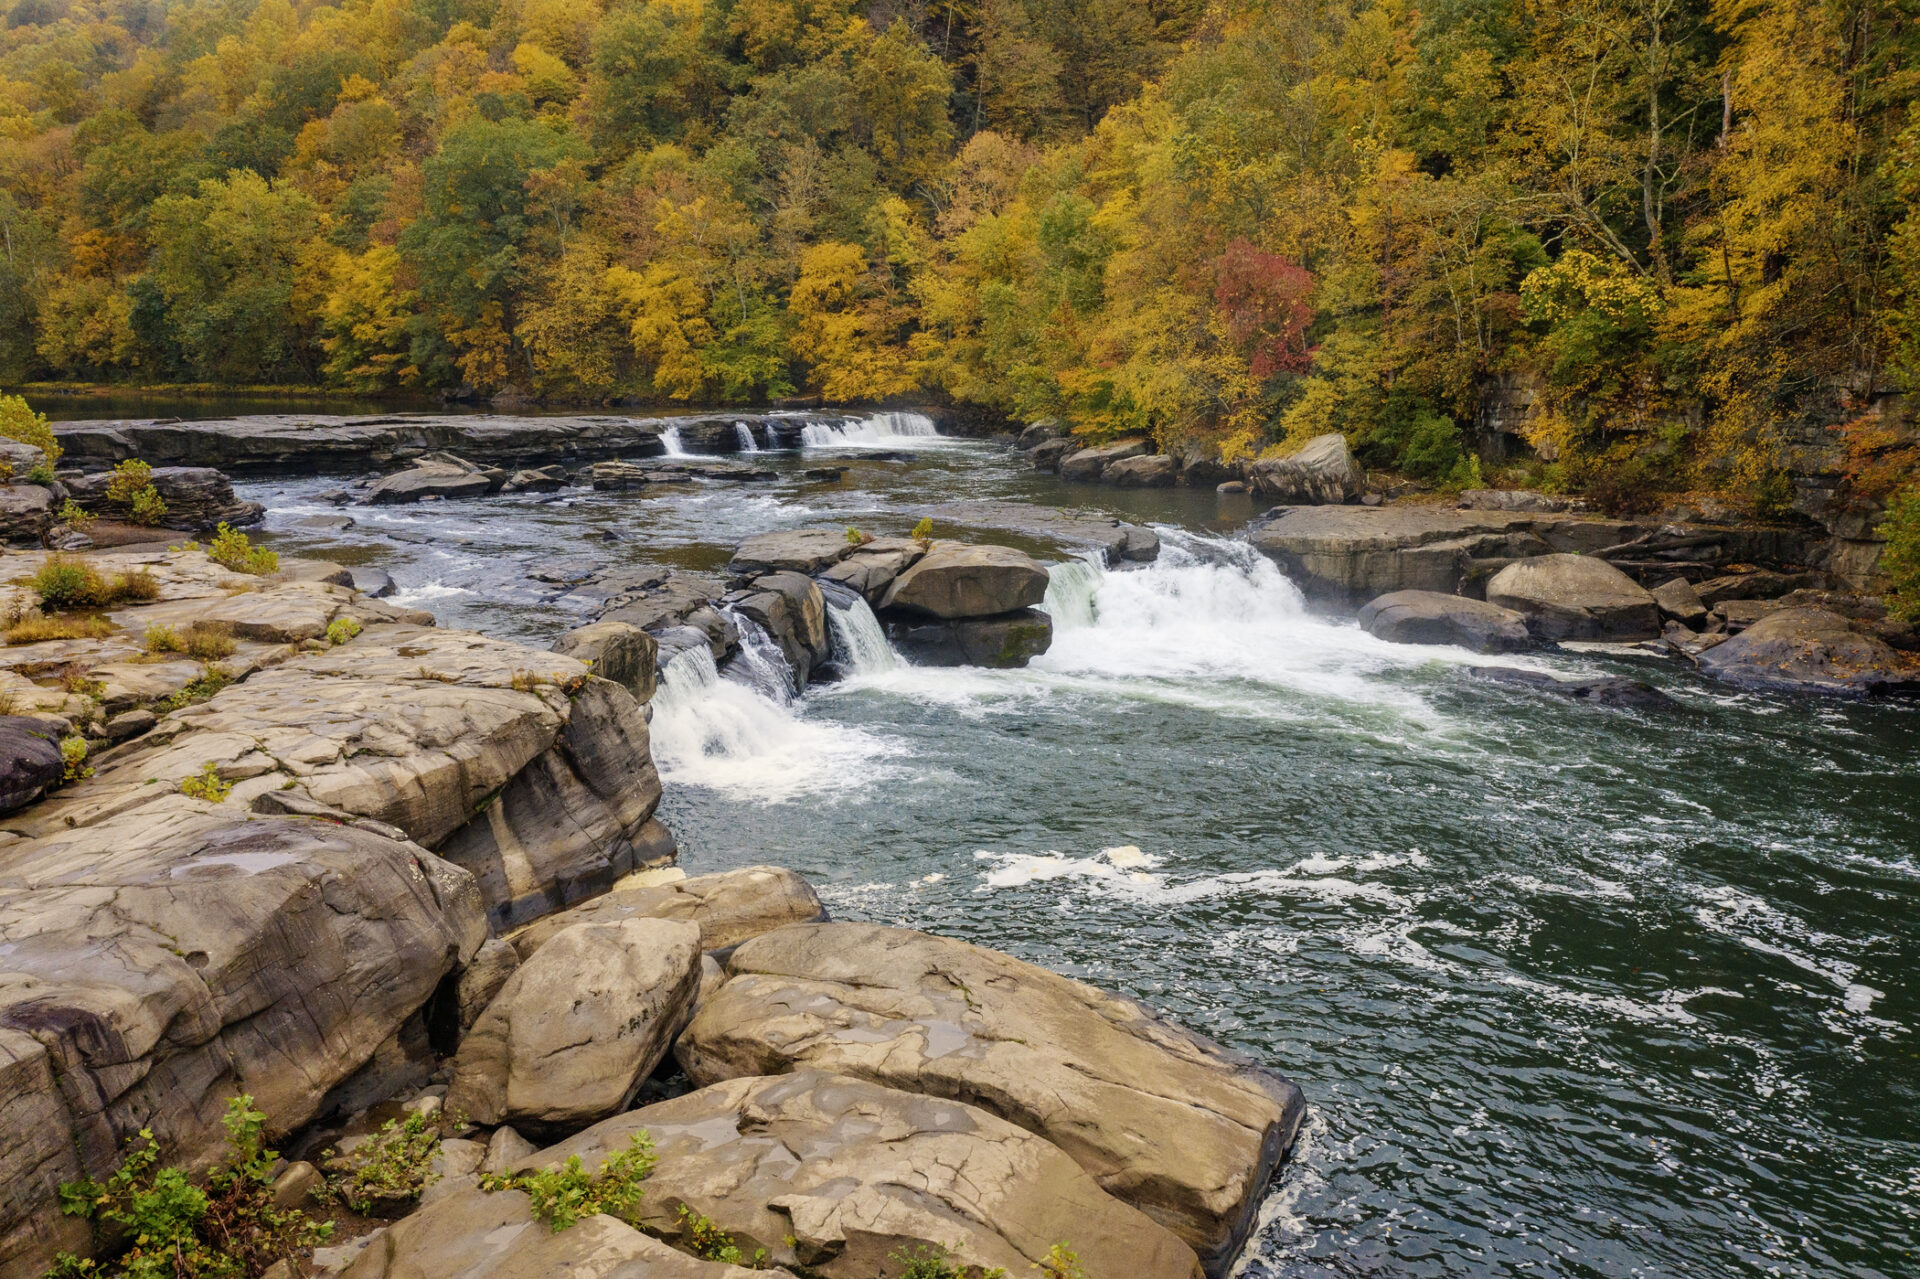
1428, 617
197, 497
1100, 1076
159, 963
438, 478
1048, 454
482, 978
26, 512
30, 760
1003, 641
618, 651
1033, 436
1322, 472
1575, 597
1678, 600
1810, 650
728, 907
792, 610
871, 569
835, 1176
578, 1026
955, 580
545, 479
1091, 464
472, 1234
1152, 470
1601, 690
373, 583
800, 551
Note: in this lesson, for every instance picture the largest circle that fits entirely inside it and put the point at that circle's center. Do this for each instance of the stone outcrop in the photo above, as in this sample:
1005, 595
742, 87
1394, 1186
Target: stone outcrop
435, 475
1810, 650
661, 600
26, 513
1428, 617
577, 1027
1003, 642
198, 498
955, 581
1575, 597
1088, 465
156, 963
514, 763
1322, 473
806, 551
833, 1176
617, 651
1101, 1077
870, 570
471, 1234
30, 760
728, 907
1355, 553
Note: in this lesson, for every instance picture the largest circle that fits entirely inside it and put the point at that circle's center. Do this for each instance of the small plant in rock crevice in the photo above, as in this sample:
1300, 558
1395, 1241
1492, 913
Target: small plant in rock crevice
342, 629
856, 538
935, 1263
206, 784
230, 1228
74, 515
36, 628
564, 1194
385, 1175
233, 550
923, 532
213, 678
73, 752
703, 1237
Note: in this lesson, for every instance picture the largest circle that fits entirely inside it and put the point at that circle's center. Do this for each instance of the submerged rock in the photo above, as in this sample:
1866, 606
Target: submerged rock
834, 1176
1810, 650
578, 1025
1322, 473
728, 907
953, 581
1575, 597
1163, 1119
1429, 617
1002, 642
1604, 690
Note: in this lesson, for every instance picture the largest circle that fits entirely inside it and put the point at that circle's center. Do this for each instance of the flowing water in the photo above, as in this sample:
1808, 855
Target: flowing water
1571, 990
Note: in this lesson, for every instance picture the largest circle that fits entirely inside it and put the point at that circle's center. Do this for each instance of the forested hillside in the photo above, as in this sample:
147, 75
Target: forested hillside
1671, 231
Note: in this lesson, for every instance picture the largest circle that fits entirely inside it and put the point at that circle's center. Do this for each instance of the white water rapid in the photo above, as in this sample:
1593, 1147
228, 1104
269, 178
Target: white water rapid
859, 644
880, 429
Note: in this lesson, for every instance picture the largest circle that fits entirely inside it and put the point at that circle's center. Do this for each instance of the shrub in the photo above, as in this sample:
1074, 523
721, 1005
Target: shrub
18, 422
564, 1194
64, 583
148, 507
74, 514
206, 784
232, 549
703, 1237
856, 538
934, 1263
923, 531
140, 585
127, 479
342, 629
80, 684
1061, 1262
36, 628
232, 1229
208, 641
385, 1174
1900, 561
162, 639
73, 750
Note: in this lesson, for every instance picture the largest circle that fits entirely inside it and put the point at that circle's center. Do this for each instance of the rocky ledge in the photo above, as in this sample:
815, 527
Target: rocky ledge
377, 855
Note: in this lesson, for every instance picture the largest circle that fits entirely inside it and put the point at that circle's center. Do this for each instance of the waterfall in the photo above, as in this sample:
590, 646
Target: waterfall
860, 647
881, 428
748, 444
732, 735
670, 440
1072, 586
760, 664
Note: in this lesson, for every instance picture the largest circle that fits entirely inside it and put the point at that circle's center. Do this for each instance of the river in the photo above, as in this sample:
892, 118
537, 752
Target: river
1571, 990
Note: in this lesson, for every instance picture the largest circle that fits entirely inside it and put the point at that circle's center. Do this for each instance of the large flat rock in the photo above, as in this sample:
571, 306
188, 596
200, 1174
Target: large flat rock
834, 1176
1177, 1126
959, 581
156, 964
515, 763
728, 906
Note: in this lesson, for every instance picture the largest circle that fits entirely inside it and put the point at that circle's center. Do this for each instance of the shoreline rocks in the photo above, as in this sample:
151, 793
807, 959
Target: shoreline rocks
1575, 597
1429, 617
1810, 650
1322, 472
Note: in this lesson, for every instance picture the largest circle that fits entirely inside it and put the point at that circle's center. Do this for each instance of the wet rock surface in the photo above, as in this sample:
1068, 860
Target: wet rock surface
1605, 690
1810, 650
1429, 617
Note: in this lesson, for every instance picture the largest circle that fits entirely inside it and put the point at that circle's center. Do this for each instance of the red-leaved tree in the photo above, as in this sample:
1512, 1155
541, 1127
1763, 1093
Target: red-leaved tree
1263, 299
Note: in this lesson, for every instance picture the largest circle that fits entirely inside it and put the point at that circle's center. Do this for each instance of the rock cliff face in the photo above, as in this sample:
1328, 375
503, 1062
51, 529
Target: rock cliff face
155, 963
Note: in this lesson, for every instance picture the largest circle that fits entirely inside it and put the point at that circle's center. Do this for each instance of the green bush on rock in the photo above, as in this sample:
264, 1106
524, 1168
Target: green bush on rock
173, 1229
564, 1194
386, 1174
